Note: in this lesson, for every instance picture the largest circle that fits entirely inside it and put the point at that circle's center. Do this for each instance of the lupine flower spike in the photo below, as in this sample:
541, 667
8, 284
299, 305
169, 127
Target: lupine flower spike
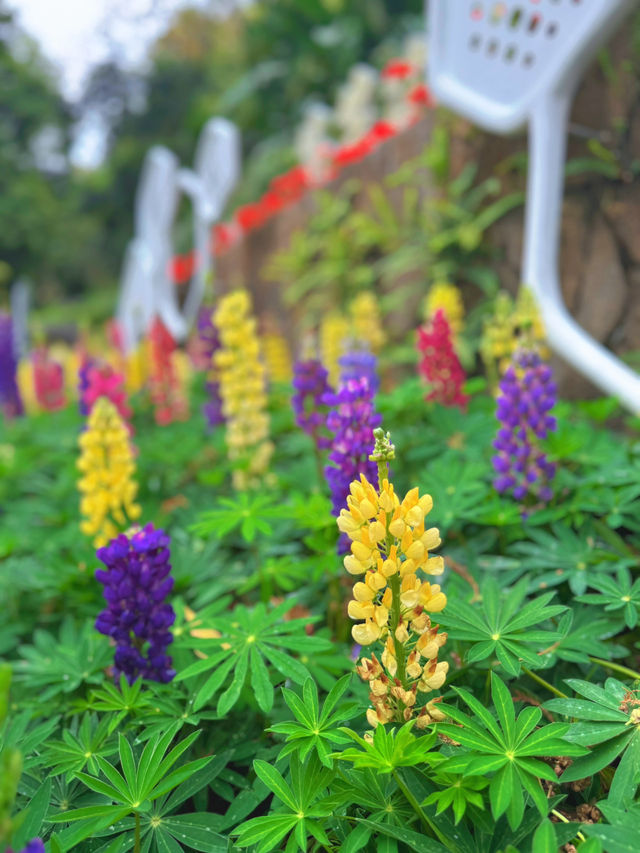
439, 365
167, 393
107, 487
510, 327
208, 344
352, 420
103, 381
526, 397
366, 321
277, 357
334, 333
34, 846
360, 364
136, 583
389, 547
241, 375
48, 381
445, 296
311, 387
10, 400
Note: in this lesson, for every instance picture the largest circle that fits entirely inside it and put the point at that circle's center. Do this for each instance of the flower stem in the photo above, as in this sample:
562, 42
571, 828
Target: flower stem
431, 828
544, 683
394, 583
136, 835
616, 667
564, 819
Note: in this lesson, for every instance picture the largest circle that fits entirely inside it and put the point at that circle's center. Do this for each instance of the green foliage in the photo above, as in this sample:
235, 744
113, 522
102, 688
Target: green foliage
505, 626
249, 638
427, 237
252, 733
506, 747
314, 729
305, 804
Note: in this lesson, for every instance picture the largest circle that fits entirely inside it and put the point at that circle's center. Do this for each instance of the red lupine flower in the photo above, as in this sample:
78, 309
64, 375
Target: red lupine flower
397, 69
440, 365
48, 381
167, 395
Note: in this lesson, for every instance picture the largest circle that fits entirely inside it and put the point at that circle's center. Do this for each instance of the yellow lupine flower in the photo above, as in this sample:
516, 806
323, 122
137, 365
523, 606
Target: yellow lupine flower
334, 336
366, 321
445, 296
136, 368
389, 546
277, 357
240, 374
26, 387
107, 487
511, 325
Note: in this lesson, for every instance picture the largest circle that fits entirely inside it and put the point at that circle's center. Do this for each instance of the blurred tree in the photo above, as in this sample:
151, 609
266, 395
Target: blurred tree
42, 233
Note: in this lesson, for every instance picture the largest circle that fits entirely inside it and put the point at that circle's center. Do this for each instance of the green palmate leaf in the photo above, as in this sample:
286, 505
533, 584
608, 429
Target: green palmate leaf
388, 750
457, 793
544, 839
314, 729
304, 802
616, 594
612, 715
195, 831
248, 512
274, 781
503, 626
414, 840
80, 744
627, 775
31, 821
598, 759
245, 642
563, 555
505, 747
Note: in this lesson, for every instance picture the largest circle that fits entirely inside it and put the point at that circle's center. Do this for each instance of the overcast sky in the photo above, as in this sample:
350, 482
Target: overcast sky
76, 34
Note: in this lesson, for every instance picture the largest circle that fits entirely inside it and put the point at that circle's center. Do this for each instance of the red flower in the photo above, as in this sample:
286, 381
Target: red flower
168, 397
381, 131
421, 96
440, 365
291, 185
48, 381
183, 267
354, 152
397, 69
251, 216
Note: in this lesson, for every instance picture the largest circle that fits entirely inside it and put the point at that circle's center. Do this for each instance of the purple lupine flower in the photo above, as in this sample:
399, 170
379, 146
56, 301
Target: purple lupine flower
527, 395
10, 400
84, 383
36, 845
209, 343
359, 364
352, 420
137, 617
311, 384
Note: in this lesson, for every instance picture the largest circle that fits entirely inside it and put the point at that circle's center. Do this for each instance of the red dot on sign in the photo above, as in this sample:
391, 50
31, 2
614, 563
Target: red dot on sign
476, 13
